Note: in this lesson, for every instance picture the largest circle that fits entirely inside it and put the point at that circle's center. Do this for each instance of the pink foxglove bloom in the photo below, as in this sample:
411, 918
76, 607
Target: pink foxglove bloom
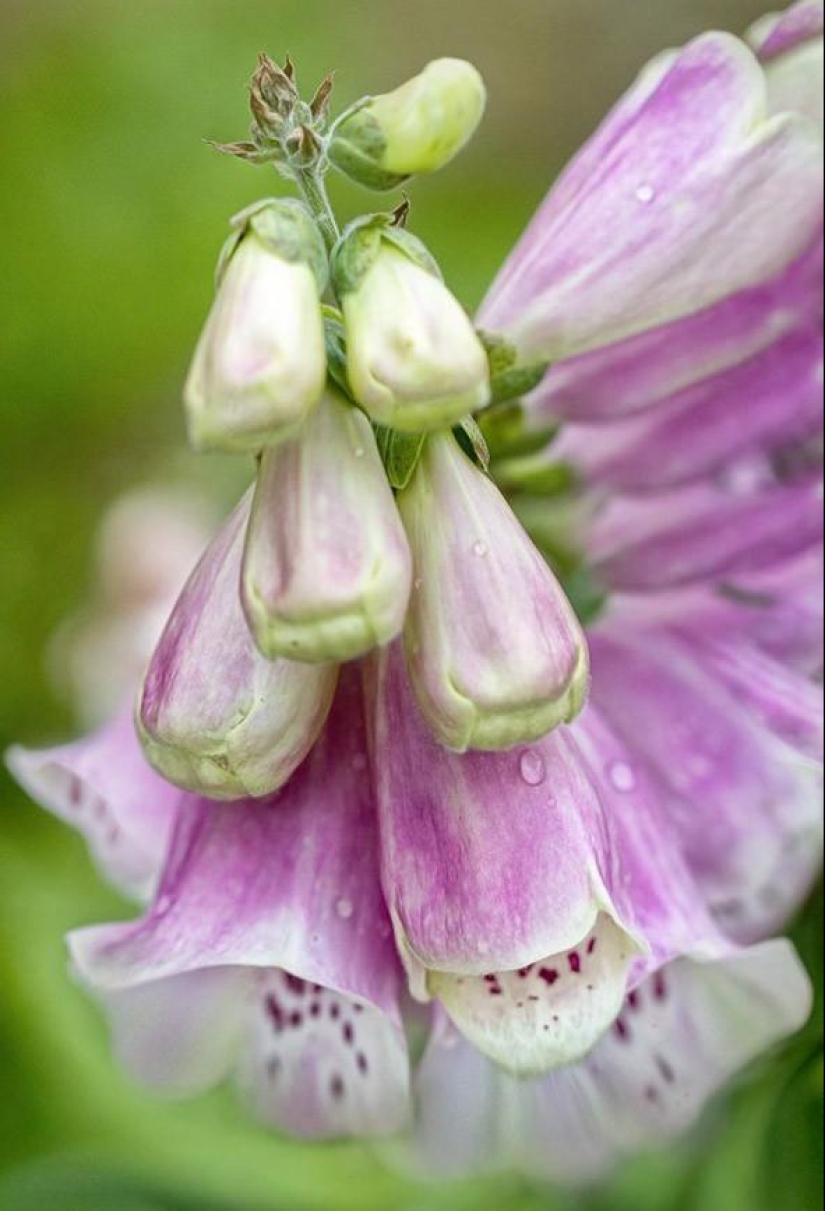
241, 734
583, 912
494, 649
327, 569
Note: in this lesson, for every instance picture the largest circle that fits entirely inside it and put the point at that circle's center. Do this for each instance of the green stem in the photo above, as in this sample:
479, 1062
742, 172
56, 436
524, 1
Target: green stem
313, 188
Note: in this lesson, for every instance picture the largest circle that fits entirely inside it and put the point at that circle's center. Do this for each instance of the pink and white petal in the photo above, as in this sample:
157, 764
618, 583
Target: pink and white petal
103, 786
688, 185
645, 371
290, 881
704, 531
757, 405
779, 33
321, 1065
182, 1035
683, 1036
744, 803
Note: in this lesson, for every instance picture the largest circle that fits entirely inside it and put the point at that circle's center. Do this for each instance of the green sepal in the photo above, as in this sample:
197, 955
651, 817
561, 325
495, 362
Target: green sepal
534, 475
471, 439
336, 347
400, 453
285, 226
515, 383
501, 354
507, 435
357, 146
358, 248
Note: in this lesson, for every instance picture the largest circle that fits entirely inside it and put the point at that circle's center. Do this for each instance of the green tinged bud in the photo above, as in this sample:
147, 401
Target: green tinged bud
418, 128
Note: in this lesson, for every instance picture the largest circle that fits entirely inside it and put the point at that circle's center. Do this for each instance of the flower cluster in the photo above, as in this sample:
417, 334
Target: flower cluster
364, 774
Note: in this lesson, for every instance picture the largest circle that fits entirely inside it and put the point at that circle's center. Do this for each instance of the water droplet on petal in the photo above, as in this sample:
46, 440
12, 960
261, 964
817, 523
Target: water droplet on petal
622, 776
646, 194
344, 908
532, 768
359, 451
480, 549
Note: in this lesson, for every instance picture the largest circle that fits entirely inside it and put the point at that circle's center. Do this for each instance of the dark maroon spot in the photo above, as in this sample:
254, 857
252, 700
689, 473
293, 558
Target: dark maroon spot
652, 1094
317, 988
348, 1033
274, 1012
294, 984
555, 1017
660, 987
524, 972
534, 999
575, 962
495, 992
519, 1004
296, 1019
666, 1070
591, 945
634, 1001
336, 1087
621, 1031
491, 979
361, 1061
549, 975
75, 792
335, 1011
315, 1009
358, 1008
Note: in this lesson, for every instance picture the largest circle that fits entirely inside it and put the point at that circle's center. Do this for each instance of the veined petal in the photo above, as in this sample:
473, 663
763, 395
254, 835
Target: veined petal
245, 730
685, 182
270, 914
682, 1036
103, 786
495, 652
527, 889
327, 569
649, 369
765, 401
742, 789
704, 531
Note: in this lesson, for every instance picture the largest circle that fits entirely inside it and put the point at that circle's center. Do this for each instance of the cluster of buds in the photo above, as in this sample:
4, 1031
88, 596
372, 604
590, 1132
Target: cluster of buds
347, 368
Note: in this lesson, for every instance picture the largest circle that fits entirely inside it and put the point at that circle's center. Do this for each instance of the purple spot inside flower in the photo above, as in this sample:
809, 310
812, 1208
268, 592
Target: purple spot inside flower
336, 1087
660, 987
549, 975
621, 1031
634, 1001
296, 1019
315, 1010
274, 1012
574, 959
294, 984
361, 1061
591, 946
348, 1033
666, 1070
335, 1011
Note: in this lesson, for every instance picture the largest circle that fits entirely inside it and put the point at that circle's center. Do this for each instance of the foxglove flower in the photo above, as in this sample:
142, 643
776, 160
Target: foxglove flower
418, 128
327, 569
260, 365
494, 650
266, 952
414, 361
243, 733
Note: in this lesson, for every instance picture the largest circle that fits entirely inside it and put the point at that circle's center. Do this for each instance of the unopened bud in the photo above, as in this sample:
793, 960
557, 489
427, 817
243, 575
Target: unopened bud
327, 569
414, 360
260, 365
496, 654
215, 716
418, 128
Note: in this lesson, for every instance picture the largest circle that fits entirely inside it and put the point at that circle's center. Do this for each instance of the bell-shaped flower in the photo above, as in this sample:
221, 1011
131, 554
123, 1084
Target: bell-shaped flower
682, 1034
790, 45
103, 786
414, 360
732, 742
529, 891
260, 364
494, 649
418, 128
215, 716
662, 214
682, 173
327, 568
267, 953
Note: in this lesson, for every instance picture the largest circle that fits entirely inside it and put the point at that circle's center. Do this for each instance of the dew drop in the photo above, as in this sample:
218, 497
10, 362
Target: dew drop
532, 768
344, 908
646, 194
480, 549
359, 452
622, 776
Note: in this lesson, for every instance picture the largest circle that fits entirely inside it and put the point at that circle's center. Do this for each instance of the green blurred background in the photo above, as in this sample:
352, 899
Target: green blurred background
112, 210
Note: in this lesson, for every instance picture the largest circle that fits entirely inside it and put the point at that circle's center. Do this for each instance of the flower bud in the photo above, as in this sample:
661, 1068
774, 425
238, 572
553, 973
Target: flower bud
413, 358
495, 652
327, 569
418, 128
260, 364
214, 716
